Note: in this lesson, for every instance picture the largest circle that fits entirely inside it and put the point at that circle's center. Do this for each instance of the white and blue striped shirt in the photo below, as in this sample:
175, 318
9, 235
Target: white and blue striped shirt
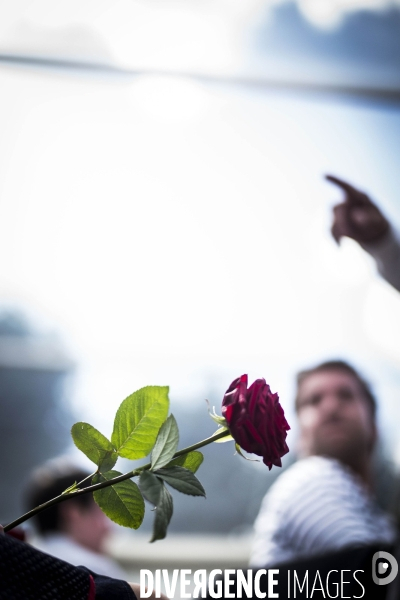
318, 505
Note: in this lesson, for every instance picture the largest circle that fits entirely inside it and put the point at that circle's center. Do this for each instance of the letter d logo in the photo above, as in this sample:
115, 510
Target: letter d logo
380, 568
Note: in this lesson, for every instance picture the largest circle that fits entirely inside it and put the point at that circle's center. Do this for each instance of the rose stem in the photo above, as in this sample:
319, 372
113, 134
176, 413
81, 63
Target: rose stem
103, 484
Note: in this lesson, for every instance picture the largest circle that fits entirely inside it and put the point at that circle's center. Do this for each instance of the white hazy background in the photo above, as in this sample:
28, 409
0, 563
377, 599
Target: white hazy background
177, 232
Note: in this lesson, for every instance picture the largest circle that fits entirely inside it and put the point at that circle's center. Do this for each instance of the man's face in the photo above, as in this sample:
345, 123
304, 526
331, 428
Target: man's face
87, 525
334, 417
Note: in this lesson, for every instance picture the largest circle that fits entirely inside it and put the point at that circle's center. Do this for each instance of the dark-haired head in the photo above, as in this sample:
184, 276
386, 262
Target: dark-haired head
339, 365
336, 411
50, 481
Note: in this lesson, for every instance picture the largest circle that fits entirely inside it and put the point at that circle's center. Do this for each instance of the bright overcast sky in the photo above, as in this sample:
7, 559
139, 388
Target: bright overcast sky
143, 33
177, 233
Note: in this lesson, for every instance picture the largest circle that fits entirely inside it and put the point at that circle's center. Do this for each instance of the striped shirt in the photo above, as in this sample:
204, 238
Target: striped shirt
318, 505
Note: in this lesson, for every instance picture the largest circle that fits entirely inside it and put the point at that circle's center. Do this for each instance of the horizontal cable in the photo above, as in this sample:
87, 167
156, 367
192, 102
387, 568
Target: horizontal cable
391, 94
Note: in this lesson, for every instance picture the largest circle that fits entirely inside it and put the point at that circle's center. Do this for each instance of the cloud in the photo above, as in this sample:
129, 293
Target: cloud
329, 13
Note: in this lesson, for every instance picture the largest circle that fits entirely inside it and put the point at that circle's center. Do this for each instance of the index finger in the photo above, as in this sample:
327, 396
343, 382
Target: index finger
353, 193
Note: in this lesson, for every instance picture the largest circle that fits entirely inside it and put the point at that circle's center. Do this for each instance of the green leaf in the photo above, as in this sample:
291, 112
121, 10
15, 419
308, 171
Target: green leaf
95, 445
227, 438
150, 486
138, 421
166, 444
191, 461
163, 514
122, 503
182, 480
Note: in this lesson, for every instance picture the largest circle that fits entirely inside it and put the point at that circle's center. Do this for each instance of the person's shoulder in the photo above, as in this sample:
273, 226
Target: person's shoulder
300, 491
308, 471
314, 481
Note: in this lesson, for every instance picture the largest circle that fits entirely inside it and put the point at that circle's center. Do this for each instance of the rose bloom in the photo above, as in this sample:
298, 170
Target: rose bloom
256, 420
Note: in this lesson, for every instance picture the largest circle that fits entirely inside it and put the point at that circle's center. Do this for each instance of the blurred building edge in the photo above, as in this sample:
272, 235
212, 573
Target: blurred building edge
34, 420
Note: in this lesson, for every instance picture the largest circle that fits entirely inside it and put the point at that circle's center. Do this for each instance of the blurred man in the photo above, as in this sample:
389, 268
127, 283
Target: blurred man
75, 530
324, 502
358, 218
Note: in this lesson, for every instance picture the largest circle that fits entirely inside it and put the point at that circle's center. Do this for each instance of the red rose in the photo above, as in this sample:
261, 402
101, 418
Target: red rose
256, 420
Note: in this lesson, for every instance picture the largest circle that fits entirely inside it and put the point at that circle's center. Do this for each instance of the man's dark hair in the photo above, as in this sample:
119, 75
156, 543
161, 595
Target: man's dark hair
50, 481
339, 365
